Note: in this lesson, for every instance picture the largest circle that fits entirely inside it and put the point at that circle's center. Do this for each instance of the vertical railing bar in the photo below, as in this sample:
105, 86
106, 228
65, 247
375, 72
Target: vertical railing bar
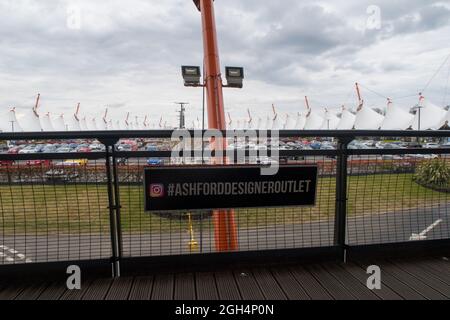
112, 210
117, 205
341, 196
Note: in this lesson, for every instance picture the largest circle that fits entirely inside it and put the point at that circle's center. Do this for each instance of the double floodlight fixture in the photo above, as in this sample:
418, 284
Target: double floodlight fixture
192, 75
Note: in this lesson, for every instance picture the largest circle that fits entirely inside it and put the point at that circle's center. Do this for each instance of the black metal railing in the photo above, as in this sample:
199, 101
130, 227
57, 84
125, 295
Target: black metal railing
52, 210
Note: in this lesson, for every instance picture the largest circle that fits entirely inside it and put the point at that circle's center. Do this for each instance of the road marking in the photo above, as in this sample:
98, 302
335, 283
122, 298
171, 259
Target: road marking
15, 255
423, 234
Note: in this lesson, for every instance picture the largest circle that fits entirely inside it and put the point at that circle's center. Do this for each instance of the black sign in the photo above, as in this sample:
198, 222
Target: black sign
226, 187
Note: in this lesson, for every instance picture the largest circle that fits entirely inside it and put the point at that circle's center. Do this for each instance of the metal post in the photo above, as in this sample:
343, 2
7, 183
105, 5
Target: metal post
113, 222
341, 196
118, 206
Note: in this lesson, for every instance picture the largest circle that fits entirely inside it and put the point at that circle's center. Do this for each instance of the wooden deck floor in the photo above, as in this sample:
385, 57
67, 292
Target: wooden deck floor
419, 279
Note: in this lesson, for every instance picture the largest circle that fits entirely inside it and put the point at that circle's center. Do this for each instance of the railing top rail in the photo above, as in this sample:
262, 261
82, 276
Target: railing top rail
168, 134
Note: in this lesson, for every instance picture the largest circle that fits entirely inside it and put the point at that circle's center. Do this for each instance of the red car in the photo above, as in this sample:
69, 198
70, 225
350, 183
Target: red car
6, 163
14, 150
44, 163
84, 150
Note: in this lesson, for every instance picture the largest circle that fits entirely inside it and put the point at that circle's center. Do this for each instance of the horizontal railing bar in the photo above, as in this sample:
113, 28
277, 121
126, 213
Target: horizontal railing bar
53, 156
398, 151
169, 133
192, 153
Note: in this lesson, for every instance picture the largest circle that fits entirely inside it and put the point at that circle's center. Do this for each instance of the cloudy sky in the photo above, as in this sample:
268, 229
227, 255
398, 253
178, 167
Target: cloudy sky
127, 54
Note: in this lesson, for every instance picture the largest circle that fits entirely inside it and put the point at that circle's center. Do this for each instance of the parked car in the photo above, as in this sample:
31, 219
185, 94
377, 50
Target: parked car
72, 163
14, 150
64, 150
28, 149
154, 161
45, 163
431, 145
83, 149
60, 175
6, 163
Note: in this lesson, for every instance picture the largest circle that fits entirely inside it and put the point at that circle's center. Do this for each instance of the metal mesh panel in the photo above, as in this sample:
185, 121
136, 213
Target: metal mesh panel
52, 210
55, 210
149, 234
386, 204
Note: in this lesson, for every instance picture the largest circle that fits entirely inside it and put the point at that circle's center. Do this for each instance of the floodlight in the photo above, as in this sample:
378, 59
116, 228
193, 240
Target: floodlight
235, 76
191, 75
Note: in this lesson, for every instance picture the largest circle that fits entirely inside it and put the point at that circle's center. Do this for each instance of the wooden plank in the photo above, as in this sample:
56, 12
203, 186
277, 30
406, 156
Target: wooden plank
184, 287
396, 285
32, 291
385, 293
426, 267
163, 287
77, 294
268, 285
206, 286
333, 286
425, 277
248, 286
290, 286
141, 288
54, 291
12, 290
227, 287
312, 287
359, 290
413, 282
98, 289
120, 289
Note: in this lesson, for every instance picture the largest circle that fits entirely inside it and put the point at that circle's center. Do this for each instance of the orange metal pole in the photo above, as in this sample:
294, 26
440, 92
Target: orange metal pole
307, 103
358, 92
224, 221
37, 101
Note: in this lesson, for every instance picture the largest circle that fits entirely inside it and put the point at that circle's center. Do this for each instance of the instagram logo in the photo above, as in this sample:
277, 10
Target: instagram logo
156, 190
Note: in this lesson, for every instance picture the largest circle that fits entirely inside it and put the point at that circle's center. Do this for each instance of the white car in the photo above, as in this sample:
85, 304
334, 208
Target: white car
431, 145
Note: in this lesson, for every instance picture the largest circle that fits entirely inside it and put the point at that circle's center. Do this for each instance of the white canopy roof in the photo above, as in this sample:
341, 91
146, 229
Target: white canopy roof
330, 121
347, 120
368, 119
31, 122
58, 123
9, 123
396, 118
300, 121
431, 116
313, 121
47, 123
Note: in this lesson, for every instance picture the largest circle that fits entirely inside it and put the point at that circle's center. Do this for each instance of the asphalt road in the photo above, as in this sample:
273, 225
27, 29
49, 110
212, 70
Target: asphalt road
407, 225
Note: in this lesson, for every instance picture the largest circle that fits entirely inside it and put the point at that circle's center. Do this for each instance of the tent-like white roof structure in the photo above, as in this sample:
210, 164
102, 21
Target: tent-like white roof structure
431, 116
9, 123
300, 121
59, 124
347, 120
83, 124
330, 121
445, 120
314, 121
73, 123
46, 123
367, 118
396, 118
31, 121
